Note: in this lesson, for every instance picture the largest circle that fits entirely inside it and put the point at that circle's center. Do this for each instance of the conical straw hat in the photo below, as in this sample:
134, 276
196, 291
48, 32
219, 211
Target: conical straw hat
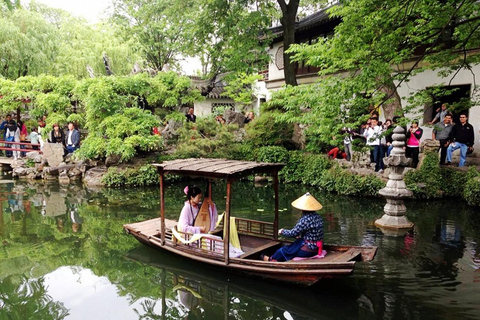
307, 203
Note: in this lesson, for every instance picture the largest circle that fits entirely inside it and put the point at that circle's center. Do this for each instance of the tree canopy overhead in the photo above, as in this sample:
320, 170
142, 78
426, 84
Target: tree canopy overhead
378, 46
378, 37
38, 39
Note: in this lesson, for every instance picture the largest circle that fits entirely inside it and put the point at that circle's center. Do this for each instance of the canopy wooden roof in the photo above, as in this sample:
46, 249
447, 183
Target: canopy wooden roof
216, 168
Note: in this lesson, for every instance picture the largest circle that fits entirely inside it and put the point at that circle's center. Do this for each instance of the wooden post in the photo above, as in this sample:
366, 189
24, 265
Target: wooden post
275, 187
162, 208
210, 189
226, 223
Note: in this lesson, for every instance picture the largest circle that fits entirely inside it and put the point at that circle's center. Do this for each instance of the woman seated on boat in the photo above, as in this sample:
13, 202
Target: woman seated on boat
308, 231
191, 209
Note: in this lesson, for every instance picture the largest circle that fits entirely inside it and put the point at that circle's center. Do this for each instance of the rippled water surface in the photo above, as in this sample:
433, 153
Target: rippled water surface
64, 255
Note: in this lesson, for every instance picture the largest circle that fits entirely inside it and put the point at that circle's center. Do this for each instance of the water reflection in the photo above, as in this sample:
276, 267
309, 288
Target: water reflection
63, 255
198, 292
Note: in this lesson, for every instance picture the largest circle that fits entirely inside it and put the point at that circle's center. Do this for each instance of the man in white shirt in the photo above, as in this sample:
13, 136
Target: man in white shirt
372, 134
73, 138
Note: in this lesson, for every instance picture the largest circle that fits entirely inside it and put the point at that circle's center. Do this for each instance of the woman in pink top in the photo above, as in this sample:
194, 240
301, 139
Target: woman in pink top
190, 211
414, 134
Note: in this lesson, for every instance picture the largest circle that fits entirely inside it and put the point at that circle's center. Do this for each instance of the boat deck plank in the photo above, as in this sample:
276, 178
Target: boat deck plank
348, 255
150, 227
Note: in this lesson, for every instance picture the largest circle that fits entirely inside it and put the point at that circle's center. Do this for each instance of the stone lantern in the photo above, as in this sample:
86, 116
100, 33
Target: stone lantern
394, 221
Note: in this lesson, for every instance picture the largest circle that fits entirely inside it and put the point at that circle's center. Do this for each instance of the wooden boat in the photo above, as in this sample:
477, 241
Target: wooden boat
256, 237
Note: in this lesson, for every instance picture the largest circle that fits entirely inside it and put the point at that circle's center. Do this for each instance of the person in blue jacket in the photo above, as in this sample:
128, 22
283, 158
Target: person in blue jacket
308, 232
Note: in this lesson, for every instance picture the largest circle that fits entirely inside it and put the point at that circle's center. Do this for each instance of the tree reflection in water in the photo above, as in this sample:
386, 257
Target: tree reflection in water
48, 229
21, 298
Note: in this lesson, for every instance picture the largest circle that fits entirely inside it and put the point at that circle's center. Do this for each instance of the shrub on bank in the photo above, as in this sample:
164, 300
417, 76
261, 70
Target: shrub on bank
471, 192
142, 176
427, 181
317, 170
433, 181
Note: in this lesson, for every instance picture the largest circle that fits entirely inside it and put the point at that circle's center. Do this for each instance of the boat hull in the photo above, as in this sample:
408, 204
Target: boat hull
341, 259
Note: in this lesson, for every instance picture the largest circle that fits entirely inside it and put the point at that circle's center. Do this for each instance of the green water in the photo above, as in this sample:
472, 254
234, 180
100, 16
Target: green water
64, 255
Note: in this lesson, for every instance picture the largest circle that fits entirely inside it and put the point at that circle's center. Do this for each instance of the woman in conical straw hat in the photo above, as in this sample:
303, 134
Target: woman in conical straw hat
308, 231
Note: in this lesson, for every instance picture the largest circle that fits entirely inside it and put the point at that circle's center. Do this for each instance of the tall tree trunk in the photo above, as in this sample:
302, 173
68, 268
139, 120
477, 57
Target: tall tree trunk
289, 14
393, 104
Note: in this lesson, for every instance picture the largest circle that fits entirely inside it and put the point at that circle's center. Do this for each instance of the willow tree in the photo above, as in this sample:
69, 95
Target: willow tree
28, 44
82, 45
361, 65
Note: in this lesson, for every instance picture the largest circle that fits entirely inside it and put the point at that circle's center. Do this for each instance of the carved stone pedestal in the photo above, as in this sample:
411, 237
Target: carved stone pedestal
394, 222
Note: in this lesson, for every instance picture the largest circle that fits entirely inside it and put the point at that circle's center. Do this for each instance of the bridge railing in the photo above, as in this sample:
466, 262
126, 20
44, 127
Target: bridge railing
16, 146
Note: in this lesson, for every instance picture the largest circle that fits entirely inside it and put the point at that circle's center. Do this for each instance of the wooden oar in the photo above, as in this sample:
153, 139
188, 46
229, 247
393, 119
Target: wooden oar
203, 217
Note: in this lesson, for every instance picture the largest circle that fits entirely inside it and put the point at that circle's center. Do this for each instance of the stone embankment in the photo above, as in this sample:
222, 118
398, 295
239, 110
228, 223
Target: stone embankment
53, 165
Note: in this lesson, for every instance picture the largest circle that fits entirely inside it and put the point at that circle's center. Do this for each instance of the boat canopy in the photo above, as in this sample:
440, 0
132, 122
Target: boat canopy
217, 168
230, 170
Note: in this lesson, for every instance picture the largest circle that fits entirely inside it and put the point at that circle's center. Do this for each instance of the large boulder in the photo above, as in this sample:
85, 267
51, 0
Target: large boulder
35, 156
170, 130
298, 137
93, 177
53, 153
430, 145
113, 160
232, 117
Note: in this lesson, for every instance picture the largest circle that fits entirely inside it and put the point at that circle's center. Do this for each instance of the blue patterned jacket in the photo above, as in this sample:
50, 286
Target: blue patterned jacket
309, 227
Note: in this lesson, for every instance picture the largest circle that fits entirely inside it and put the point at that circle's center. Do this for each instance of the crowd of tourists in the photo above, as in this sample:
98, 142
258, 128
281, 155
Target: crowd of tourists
18, 141
378, 136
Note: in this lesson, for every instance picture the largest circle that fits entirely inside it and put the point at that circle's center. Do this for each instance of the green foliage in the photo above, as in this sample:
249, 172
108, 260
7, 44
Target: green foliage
240, 151
93, 147
319, 108
314, 166
296, 166
176, 116
38, 39
272, 154
56, 118
115, 110
453, 182
44, 95
208, 138
433, 181
471, 192
167, 89
225, 35
266, 131
317, 170
28, 44
77, 118
142, 176
240, 87
427, 181
356, 64
123, 134
158, 27
29, 163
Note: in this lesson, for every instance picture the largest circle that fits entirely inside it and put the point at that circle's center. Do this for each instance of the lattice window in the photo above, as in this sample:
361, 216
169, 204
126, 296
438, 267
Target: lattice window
219, 107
